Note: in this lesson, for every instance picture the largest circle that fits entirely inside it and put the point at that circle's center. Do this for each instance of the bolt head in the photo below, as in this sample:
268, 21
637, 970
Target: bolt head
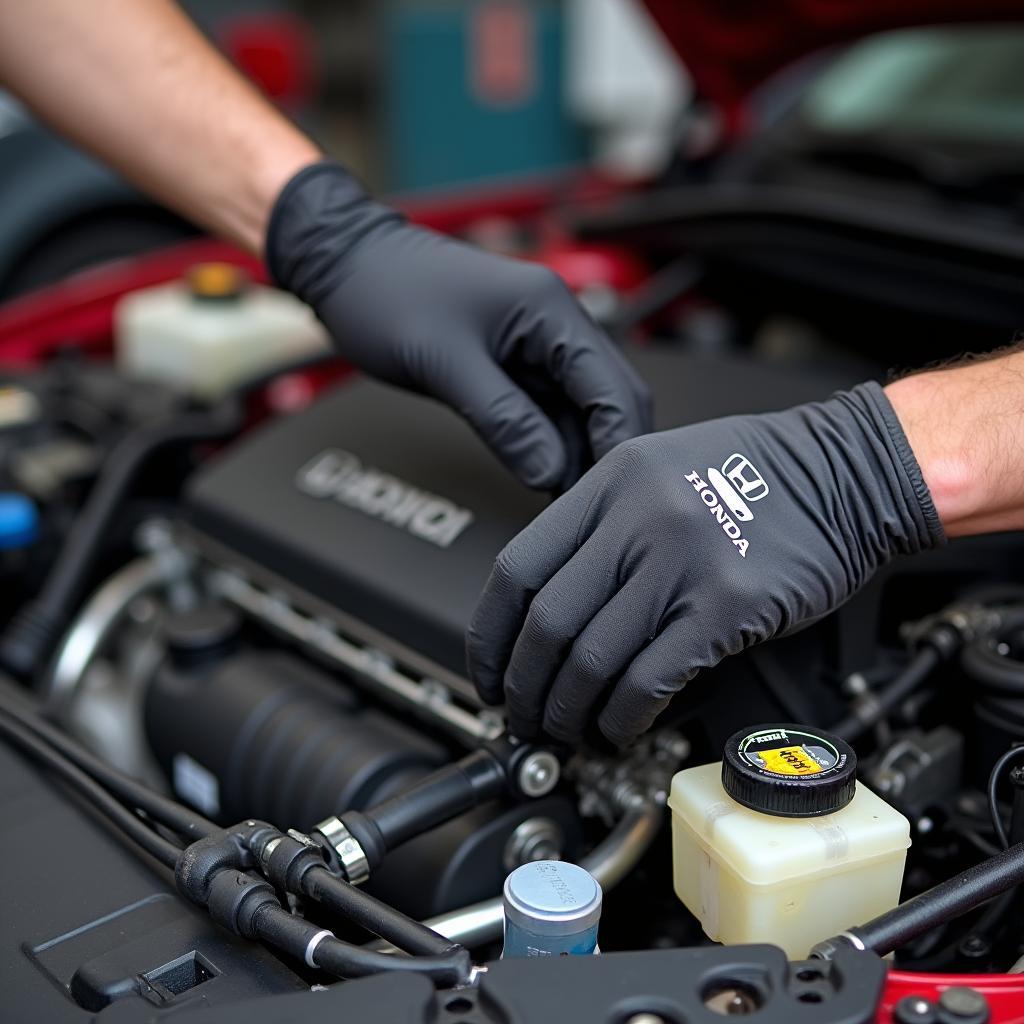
538, 774
975, 945
961, 1001
854, 685
915, 1010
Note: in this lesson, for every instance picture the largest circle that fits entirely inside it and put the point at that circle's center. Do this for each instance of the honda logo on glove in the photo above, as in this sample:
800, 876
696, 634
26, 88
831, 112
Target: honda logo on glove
730, 488
737, 483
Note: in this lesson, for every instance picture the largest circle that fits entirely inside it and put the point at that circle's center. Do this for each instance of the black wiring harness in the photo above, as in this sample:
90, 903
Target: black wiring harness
33, 632
966, 628
237, 873
241, 874
977, 630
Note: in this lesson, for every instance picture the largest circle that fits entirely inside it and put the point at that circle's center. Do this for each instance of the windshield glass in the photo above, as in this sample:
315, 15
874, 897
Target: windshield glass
963, 82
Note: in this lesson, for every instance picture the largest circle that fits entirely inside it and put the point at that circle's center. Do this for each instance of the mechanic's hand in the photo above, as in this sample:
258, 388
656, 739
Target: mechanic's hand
680, 548
478, 331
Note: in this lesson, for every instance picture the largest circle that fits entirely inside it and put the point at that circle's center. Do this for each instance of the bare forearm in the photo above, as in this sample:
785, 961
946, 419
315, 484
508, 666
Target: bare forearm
966, 427
135, 82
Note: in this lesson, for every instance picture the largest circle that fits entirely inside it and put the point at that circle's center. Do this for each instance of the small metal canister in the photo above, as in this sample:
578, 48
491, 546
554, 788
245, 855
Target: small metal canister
552, 908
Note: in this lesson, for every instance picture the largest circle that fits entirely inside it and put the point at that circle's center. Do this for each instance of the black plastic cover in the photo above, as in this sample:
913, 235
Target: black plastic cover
86, 924
676, 985
387, 506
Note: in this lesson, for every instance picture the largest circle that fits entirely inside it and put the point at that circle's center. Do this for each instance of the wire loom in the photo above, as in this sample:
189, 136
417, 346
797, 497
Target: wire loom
217, 872
221, 870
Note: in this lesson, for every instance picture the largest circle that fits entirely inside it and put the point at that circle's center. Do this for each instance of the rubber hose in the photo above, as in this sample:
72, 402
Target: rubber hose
33, 633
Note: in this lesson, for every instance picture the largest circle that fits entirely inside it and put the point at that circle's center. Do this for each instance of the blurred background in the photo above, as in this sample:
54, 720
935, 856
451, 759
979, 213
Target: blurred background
421, 93
782, 176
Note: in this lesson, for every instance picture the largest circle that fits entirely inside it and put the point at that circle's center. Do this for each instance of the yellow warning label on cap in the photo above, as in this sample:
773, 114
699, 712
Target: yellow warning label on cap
793, 760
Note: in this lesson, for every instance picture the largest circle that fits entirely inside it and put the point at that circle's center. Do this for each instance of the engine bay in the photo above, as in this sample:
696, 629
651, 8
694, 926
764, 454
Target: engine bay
245, 593
268, 645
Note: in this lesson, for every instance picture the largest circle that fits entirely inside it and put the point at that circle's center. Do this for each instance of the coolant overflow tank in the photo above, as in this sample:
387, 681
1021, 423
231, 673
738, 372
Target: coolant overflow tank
779, 843
214, 331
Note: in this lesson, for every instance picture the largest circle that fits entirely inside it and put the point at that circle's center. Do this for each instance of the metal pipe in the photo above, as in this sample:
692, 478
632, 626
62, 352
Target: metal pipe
431, 703
609, 862
97, 620
614, 858
29, 637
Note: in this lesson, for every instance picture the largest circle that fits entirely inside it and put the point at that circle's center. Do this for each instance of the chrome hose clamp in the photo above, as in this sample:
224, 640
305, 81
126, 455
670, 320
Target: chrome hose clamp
346, 847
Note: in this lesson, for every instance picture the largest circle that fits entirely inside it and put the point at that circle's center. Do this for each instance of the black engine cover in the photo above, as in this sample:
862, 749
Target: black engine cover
387, 506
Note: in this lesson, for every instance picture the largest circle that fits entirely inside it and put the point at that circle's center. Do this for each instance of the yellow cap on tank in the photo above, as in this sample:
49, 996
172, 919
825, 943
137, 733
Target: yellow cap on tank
216, 281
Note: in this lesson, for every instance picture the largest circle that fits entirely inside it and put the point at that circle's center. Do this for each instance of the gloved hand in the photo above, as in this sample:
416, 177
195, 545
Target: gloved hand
478, 331
680, 548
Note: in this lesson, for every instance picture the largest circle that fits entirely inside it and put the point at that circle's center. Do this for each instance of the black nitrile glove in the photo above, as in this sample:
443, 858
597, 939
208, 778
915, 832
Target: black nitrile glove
680, 548
490, 336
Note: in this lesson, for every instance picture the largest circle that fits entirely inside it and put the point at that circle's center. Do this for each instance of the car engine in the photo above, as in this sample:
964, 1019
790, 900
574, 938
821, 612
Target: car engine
249, 629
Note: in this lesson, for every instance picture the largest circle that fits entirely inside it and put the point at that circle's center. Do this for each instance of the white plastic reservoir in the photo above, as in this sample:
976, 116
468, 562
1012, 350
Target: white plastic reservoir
213, 331
816, 862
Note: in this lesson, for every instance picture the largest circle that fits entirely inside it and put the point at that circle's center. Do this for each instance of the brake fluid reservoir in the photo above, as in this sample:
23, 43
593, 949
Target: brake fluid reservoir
213, 331
779, 842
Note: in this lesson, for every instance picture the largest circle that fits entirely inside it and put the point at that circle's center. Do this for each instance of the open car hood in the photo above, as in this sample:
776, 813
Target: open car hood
730, 48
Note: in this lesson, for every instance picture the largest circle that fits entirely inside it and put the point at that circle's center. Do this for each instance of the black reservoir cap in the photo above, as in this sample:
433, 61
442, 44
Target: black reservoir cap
789, 771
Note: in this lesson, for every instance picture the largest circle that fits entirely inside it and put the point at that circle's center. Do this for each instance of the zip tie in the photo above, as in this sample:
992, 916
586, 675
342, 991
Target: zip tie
313, 943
